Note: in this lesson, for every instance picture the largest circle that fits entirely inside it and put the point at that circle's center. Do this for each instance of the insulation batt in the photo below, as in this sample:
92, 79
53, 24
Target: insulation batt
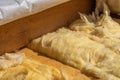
16, 66
9, 60
104, 30
75, 48
105, 26
30, 70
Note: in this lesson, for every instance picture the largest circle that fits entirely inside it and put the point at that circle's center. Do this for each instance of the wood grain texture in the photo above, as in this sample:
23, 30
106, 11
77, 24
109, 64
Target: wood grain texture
17, 34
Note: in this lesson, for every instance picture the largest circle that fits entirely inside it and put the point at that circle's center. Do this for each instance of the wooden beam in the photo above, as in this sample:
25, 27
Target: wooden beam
17, 34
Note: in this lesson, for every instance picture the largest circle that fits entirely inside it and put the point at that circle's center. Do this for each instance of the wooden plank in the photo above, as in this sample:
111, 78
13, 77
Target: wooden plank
17, 34
25, 8
117, 20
